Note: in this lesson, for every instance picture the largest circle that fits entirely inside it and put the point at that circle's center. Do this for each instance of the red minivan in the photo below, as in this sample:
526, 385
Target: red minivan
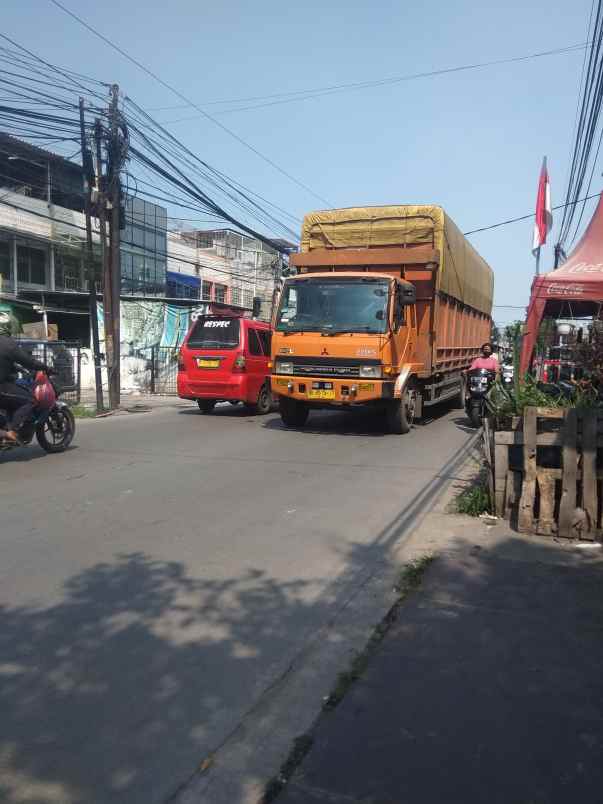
225, 358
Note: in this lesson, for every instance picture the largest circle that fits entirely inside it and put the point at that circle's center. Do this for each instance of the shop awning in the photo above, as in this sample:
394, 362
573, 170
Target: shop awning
578, 280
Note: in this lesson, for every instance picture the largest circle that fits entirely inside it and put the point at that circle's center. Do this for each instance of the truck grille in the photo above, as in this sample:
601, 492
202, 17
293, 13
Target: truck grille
329, 367
322, 370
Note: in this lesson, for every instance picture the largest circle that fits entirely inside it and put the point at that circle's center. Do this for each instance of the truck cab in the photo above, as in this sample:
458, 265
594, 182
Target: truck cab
340, 339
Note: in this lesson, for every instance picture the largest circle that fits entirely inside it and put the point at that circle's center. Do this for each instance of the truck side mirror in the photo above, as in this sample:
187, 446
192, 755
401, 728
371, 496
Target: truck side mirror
408, 294
257, 306
405, 296
398, 311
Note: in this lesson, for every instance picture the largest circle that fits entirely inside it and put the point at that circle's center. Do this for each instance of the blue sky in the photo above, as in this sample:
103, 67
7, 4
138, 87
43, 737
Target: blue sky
470, 141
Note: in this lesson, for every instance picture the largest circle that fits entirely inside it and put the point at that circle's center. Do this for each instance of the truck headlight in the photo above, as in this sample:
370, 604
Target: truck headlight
370, 371
283, 367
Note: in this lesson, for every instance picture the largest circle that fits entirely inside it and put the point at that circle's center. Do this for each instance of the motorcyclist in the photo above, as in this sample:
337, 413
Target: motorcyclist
486, 360
15, 399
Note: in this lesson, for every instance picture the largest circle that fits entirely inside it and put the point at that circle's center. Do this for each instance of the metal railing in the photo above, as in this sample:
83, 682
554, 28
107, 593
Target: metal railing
66, 360
164, 369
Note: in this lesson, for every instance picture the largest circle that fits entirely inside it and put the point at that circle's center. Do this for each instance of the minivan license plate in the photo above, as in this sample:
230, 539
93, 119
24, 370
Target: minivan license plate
206, 363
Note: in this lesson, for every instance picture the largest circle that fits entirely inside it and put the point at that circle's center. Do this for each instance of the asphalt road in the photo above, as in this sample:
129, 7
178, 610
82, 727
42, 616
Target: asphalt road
157, 578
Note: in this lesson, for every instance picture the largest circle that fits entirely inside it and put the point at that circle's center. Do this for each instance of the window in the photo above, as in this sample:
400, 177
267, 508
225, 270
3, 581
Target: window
247, 299
213, 332
31, 265
266, 338
5, 260
221, 291
255, 348
235, 296
206, 291
67, 271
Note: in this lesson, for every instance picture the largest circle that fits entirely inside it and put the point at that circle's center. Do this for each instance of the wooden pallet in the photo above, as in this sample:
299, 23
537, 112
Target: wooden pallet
563, 498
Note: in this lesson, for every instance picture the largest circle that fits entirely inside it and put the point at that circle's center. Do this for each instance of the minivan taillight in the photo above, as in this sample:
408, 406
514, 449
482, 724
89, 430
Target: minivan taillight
180, 360
239, 363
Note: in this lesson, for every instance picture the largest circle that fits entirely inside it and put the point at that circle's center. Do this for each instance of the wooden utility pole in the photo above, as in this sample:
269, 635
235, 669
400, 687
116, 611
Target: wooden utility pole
105, 255
114, 192
86, 170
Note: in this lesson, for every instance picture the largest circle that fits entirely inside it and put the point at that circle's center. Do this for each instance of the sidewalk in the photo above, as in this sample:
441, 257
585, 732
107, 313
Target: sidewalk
137, 400
488, 688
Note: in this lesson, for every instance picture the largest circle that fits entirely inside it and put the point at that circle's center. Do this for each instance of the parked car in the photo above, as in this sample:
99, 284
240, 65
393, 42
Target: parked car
226, 358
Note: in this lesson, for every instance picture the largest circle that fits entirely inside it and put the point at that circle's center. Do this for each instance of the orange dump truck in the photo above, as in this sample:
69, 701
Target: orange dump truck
388, 307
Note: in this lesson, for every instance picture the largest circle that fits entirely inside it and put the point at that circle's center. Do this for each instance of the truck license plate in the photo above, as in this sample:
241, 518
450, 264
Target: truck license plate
321, 394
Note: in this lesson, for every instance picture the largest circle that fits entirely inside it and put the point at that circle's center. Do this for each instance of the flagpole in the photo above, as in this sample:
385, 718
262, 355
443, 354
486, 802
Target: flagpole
538, 262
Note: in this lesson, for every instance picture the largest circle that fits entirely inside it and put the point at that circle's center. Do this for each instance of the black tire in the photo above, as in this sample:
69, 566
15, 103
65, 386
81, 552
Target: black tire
57, 432
264, 403
400, 412
206, 405
293, 413
459, 399
475, 416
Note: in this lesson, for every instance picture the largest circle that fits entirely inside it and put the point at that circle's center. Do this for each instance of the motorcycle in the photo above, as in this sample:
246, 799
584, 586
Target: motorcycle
479, 382
53, 427
507, 377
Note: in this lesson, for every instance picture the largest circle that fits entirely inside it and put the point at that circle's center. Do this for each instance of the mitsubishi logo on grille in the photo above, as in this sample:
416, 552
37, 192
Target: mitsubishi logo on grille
324, 352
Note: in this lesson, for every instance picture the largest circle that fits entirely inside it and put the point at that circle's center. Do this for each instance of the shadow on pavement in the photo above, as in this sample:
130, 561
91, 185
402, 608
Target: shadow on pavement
487, 688
357, 421
118, 691
30, 453
223, 411
115, 693
462, 422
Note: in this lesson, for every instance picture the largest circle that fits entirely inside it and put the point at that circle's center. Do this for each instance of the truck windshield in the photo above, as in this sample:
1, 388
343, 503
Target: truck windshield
330, 305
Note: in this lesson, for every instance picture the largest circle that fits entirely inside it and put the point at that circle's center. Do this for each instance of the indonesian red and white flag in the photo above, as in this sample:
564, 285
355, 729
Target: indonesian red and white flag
544, 213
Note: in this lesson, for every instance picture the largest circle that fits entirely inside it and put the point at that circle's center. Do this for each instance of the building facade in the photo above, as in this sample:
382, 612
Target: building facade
43, 258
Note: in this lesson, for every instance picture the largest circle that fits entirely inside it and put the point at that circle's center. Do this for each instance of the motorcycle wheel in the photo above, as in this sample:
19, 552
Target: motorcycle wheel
475, 416
57, 432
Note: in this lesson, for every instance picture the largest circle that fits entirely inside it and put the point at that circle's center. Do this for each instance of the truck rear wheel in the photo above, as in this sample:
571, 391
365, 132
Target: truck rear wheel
293, 413
400, 413
459, 399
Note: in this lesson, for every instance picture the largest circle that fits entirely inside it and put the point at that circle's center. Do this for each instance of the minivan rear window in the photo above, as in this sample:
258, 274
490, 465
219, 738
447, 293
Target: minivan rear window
211, 332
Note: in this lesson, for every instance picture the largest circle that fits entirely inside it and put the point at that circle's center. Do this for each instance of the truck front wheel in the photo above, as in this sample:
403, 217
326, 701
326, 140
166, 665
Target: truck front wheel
293, 413
400, 413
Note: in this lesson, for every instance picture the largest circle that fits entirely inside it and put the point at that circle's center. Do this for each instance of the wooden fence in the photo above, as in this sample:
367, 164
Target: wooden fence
544, 473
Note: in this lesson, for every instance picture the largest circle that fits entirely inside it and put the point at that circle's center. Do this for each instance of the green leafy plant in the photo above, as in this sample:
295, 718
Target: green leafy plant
474, 500
83, 412
502, 403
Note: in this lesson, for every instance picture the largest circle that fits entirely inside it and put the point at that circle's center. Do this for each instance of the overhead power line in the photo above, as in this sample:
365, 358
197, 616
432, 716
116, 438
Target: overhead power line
527, 217
586, 126
183, 97
45, 108
261, 101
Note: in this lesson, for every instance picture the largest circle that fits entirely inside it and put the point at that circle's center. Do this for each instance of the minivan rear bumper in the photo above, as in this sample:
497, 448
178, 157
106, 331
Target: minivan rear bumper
235, 388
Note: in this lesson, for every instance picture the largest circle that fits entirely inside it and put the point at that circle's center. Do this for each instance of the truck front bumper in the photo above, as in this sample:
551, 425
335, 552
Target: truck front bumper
334, 391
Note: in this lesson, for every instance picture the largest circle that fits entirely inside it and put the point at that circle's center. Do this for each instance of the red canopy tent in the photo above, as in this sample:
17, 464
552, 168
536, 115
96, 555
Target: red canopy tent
575, 289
